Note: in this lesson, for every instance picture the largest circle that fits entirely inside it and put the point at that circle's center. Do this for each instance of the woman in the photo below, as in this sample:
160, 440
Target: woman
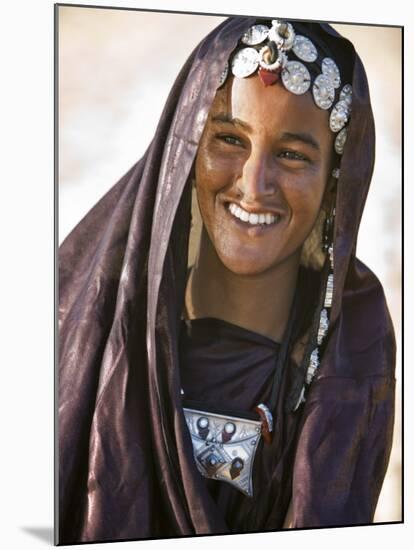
277, 329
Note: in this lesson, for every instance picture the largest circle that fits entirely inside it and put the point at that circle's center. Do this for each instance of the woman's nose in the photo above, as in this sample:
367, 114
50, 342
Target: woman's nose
257, 180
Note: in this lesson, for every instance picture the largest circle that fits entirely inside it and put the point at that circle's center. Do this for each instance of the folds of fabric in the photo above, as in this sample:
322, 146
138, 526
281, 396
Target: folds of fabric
126, 468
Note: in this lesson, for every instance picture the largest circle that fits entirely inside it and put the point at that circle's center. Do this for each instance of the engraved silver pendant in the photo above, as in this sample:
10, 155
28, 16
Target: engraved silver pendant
245, 62
339, 116
296, 77
223, 76
255, 35
341, 140
323, 92
224, 447
305, 49
346, 95
330, 69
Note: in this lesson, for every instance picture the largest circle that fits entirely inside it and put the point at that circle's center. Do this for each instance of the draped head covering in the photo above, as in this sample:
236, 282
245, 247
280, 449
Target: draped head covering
126, 468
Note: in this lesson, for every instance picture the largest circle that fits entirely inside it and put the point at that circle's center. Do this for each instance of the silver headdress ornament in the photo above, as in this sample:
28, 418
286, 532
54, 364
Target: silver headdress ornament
277, 52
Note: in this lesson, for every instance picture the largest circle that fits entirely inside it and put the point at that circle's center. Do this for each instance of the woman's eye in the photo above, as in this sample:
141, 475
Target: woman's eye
293, 155
231, 140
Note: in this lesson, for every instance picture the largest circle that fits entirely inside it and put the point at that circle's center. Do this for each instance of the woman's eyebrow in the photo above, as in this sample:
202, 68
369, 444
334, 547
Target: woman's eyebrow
225, 117
306, 138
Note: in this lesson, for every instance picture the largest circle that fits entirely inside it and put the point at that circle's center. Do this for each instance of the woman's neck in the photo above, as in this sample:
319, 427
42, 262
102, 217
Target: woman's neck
260, 303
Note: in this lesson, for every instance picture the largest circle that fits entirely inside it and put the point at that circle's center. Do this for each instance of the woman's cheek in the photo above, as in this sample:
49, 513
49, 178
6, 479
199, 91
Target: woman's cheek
304, 192
211, 174
206, 169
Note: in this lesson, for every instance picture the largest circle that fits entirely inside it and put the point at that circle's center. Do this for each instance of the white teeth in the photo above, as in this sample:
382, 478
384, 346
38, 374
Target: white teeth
243, 215
253, 219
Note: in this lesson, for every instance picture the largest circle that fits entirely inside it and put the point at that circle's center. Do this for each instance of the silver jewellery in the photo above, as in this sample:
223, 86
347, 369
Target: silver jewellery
296, 77
224, 446
323, 326
330, 70
340, 141
245, 62
269, 50
323, 92
304, 49
255, 35
339, 116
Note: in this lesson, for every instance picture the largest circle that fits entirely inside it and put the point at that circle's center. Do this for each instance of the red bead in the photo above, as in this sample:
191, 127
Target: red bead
268, 77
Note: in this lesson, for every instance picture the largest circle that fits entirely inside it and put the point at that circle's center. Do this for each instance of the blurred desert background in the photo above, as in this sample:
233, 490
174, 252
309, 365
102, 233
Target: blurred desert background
115, 70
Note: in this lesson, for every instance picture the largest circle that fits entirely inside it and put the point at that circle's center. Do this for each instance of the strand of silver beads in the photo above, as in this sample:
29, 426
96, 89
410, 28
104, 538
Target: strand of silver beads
314, 360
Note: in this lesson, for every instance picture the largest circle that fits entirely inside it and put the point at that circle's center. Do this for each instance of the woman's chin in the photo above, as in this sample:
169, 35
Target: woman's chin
242, 261
247, 267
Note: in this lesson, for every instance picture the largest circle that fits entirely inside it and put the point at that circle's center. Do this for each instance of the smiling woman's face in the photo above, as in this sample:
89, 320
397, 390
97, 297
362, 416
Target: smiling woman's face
261, 170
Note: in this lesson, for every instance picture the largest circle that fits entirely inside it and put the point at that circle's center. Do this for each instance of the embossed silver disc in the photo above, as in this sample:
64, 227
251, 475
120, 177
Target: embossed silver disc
346, 95
330, 69
341, 140
323, 92
339, 116
245, 62
296, 77
304, 49
255, 35
223, 75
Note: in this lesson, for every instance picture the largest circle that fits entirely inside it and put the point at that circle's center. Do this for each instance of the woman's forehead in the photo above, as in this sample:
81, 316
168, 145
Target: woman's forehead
250, 101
